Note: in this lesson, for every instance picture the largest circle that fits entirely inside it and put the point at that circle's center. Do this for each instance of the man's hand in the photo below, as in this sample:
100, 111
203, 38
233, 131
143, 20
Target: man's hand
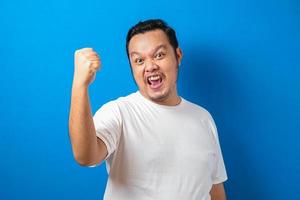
87, 63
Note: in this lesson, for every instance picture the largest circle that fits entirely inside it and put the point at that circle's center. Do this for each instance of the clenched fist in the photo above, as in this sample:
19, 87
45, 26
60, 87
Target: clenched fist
87, 63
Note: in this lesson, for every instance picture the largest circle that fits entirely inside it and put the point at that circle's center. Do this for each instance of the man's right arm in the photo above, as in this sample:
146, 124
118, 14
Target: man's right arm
87, 148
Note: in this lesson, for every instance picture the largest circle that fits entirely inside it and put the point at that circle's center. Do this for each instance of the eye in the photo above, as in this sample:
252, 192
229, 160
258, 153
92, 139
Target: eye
139, 61
159, 55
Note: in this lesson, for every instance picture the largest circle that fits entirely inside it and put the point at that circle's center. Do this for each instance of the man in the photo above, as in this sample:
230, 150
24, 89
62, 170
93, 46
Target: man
156, 144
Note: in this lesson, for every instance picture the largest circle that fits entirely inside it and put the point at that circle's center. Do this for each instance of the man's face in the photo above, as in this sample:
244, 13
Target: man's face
155, 66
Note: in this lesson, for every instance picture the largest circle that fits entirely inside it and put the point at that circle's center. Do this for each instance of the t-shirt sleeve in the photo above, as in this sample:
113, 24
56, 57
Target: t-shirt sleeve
108, 125
219, 174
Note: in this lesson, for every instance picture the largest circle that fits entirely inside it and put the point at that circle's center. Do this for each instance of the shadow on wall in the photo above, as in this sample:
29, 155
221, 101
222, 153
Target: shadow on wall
209, 79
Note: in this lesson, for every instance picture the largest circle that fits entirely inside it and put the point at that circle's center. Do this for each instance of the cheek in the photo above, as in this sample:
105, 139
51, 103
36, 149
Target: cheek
138, 76
171, 70
174, 75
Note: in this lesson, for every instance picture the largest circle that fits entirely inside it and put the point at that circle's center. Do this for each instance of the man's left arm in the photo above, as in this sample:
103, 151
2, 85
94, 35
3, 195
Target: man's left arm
217, 192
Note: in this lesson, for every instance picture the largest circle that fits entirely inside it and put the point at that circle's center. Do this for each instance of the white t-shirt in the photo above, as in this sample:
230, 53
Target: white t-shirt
158, 152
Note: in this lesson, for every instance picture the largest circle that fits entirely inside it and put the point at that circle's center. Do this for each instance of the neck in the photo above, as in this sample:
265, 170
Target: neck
173, 101
170, 100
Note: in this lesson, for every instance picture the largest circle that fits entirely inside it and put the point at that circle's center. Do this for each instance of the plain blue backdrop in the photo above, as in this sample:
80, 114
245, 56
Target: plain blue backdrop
241, 62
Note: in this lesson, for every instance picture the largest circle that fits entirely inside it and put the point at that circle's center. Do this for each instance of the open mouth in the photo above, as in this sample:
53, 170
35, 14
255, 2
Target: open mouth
154, 81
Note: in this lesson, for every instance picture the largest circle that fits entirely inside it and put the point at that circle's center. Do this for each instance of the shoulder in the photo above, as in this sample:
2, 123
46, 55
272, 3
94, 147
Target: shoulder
113, 109
125, 101
119, 103
197, 109
206, 117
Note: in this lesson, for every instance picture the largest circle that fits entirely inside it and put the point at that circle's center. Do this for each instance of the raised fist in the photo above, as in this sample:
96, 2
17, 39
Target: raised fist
86, 64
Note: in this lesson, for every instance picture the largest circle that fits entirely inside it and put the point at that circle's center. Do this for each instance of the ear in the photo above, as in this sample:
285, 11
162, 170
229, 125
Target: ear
179, 55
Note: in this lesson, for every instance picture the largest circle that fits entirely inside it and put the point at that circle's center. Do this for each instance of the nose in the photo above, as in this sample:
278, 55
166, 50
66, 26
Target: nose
151, 66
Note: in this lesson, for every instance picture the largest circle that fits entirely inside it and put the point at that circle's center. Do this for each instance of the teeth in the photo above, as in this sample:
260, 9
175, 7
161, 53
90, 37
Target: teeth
154, 78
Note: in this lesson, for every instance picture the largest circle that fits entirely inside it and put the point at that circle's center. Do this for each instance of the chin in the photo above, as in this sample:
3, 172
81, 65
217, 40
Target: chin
158, 96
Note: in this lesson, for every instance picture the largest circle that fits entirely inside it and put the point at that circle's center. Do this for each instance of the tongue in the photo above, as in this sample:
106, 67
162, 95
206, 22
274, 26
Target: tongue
155, 84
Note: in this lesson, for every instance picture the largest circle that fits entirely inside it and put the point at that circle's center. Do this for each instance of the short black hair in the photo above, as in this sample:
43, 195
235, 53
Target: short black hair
151, 25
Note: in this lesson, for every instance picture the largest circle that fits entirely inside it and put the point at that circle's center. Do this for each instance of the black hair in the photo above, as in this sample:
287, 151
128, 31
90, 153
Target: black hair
151, 25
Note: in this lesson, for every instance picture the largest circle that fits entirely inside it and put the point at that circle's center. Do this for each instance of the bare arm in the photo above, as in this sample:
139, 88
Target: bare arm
87, 148
217, 192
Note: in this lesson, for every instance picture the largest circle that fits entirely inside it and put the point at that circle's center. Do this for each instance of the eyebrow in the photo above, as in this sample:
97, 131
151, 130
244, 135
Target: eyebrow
154, 50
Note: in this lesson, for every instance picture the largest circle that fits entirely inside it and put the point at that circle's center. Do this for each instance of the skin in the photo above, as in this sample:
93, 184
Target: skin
217, 192
87, 148
150, 53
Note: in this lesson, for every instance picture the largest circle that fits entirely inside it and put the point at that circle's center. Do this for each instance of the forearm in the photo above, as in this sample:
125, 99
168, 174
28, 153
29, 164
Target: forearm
81, 127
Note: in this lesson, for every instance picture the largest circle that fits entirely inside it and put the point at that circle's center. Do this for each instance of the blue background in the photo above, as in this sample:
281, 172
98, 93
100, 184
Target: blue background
241, 62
